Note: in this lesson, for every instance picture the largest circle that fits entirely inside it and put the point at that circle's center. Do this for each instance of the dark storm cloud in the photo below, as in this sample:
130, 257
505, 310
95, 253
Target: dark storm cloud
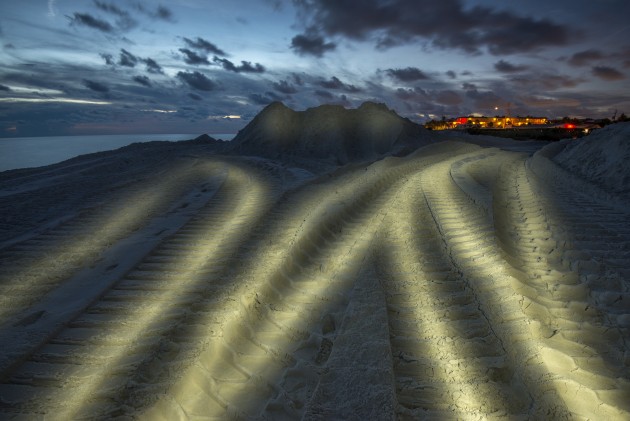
127, 59
297, 79
507, 67
197, 80
451, 74
408, 74
314, 45
608, 73
468, 86
284, 87
164, 13
448, 97
335, 83
324, 94
415, 94
109, 59
195, 96
152, 66
486, 100
341, 100
248, 67
206, 46
124, 21
584, 58
110, 8
142, 80
88, 20
95, 86
245, 67
544, 81
193, 58
4, 88
266, 98
447, 23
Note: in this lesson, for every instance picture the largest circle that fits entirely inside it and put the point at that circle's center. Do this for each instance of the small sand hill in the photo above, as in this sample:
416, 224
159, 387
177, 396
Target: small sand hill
601, 157
329, 132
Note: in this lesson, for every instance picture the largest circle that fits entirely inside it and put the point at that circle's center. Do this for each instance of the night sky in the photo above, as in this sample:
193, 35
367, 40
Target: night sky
197, 66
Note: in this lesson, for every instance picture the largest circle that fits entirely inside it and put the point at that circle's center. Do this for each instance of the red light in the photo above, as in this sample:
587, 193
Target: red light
569, 126
462, 120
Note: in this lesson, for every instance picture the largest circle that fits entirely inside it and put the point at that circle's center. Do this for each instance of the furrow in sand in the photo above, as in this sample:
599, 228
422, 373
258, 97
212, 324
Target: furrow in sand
116, 334
31, 268
448, 361
595, 240
455, 283
155, 337
585, 345
484, 273
281, 332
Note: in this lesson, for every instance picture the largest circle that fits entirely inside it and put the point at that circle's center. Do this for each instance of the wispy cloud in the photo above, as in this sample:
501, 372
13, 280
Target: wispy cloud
61, 100
52, 12
608, 73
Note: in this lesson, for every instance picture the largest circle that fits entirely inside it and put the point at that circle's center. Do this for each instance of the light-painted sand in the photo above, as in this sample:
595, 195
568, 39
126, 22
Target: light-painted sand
459, 282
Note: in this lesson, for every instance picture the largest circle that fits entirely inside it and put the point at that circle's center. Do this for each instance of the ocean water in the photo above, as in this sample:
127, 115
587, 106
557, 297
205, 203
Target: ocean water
26, 152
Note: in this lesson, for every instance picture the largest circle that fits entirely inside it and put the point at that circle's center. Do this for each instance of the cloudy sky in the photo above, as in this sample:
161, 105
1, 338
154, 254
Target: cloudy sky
206, 66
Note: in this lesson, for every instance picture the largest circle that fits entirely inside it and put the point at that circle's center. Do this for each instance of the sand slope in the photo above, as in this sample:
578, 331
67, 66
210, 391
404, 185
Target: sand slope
601, 158
458, 282
329, 133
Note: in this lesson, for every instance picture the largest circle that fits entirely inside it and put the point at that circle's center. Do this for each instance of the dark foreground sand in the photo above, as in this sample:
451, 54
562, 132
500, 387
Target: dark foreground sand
172, 282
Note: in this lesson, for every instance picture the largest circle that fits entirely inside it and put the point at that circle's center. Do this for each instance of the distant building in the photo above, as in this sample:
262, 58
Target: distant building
498, 122
501, 122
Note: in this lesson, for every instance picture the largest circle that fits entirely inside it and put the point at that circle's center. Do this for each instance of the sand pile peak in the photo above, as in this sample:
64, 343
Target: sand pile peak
329, 132
602, 157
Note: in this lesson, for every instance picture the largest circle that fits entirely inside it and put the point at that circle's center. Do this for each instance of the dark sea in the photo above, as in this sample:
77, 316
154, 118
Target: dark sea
26, 152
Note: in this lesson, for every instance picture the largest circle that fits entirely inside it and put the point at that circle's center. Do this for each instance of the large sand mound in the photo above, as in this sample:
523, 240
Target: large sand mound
329, 132
601, 157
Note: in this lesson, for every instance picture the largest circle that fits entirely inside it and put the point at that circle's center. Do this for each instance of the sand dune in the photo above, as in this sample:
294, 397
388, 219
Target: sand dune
329, 133
457, 282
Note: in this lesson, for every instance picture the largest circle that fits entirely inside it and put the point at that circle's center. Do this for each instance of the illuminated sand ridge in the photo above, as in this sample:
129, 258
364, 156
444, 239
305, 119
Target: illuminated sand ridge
457, 282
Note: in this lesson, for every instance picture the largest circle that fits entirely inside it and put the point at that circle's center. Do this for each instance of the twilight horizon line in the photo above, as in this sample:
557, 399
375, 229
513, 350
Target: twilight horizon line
118, 66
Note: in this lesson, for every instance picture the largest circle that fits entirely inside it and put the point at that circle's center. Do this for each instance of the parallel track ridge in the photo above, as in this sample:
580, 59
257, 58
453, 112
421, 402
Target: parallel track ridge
458, 282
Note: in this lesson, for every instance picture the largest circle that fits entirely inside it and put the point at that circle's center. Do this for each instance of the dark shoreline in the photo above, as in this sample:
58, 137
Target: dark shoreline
538, 133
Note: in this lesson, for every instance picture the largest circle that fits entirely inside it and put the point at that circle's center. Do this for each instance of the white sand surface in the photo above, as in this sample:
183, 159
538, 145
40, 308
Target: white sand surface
463, 281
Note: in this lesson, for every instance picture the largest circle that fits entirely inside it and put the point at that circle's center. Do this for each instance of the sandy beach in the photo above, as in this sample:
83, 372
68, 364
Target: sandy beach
469, 279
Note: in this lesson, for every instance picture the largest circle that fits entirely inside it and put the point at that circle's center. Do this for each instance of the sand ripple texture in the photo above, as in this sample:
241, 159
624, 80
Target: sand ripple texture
459, 282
